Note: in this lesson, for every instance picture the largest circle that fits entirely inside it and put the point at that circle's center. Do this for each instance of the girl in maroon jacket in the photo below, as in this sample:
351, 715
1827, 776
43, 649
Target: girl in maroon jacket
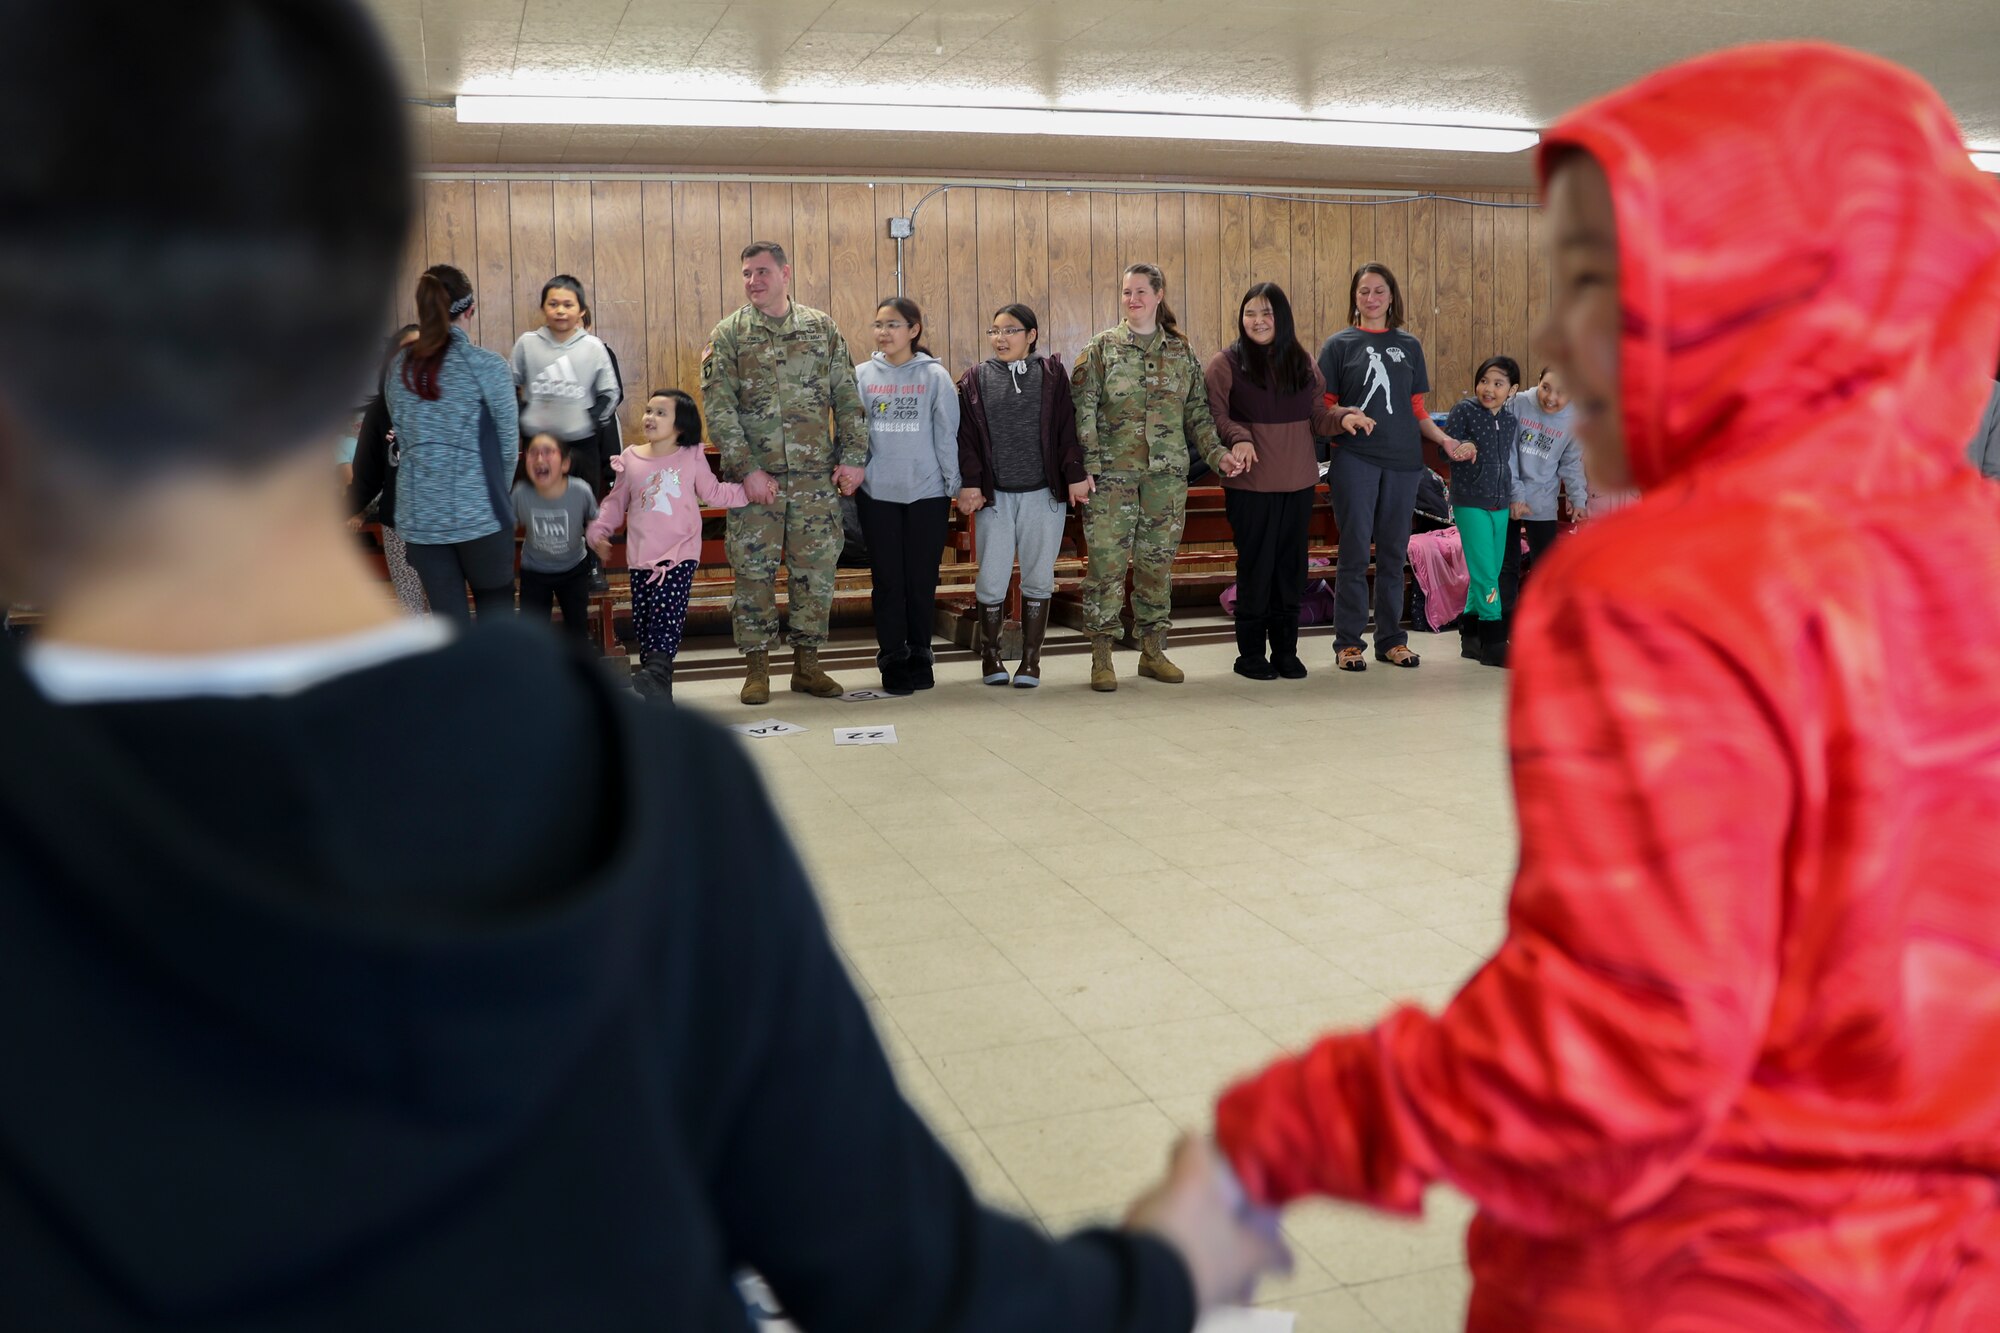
1020, 462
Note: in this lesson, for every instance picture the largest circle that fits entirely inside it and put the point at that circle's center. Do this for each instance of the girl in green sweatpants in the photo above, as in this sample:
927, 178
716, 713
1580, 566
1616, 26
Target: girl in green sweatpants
1484, 488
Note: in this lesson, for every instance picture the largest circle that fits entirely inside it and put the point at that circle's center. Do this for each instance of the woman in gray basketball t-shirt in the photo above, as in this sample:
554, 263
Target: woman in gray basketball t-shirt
1377, 366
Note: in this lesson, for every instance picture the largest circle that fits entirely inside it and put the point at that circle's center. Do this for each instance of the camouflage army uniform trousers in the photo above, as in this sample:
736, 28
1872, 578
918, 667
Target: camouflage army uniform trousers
802, 532
1134, 520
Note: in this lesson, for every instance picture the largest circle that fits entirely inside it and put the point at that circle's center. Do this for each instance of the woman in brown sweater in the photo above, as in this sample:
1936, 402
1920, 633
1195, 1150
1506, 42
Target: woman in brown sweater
1268, 401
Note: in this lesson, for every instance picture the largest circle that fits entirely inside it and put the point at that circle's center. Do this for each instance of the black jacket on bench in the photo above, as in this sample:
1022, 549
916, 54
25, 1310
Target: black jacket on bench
350, 1011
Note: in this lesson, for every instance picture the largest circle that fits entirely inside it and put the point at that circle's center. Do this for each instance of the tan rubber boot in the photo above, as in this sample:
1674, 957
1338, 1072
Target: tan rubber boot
1103, 678
757, 684
807, 678
1153, 660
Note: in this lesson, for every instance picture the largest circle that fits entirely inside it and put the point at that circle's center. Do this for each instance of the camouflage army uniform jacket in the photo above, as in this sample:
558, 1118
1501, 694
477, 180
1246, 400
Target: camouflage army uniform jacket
777, 394
1139, 411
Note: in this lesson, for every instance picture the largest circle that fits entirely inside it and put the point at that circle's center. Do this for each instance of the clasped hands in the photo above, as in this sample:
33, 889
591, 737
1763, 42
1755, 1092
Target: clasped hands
761, 488
971, 499
1238, 460
1199, 1209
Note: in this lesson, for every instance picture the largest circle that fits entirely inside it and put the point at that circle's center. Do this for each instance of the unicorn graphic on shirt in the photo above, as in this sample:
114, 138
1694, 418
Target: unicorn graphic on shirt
1378, 380
659, 487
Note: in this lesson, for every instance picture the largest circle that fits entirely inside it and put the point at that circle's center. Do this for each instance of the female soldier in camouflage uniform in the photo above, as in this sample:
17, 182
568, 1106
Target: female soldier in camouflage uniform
1141, 403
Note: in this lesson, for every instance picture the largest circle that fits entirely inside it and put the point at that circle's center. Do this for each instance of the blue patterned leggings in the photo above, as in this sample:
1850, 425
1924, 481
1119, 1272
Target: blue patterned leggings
660, 606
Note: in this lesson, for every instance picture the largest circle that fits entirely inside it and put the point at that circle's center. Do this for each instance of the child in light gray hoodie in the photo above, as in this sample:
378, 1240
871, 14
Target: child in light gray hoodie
905, 498
1984, 451
1546, 456
564, 378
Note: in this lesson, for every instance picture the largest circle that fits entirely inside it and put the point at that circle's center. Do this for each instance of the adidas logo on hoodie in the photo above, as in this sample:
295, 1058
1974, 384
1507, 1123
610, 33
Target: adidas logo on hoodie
558, 380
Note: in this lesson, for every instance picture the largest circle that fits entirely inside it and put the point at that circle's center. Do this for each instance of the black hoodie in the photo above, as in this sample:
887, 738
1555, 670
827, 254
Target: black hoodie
348, 1011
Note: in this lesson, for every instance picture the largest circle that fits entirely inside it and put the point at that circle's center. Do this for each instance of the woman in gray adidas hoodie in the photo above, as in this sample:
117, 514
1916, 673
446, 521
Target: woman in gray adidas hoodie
905, 498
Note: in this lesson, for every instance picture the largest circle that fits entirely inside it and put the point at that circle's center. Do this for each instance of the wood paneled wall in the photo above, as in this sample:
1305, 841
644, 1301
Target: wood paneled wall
658, 259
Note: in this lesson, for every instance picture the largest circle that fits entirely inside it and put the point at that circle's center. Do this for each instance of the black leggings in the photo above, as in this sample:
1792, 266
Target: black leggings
905, 542
569, 590
485, 564
1541, 534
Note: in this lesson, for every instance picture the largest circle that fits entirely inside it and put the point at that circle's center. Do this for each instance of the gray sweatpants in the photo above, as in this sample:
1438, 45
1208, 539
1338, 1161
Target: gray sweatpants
1024, 525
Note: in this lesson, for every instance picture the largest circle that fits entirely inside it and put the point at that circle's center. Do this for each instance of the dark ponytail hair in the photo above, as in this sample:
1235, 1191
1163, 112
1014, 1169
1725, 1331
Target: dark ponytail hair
1159, 284
443, 294
912, 312
1283, 367
1026, 319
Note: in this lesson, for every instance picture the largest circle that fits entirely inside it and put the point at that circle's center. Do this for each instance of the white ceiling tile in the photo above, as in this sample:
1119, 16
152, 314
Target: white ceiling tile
1525, 60
821, 46
886, 19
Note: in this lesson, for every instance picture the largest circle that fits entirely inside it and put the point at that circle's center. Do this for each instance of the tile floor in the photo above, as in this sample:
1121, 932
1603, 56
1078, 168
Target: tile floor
1075, 917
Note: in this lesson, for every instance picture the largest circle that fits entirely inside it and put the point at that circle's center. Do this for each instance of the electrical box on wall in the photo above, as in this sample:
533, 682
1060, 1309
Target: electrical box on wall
901, 229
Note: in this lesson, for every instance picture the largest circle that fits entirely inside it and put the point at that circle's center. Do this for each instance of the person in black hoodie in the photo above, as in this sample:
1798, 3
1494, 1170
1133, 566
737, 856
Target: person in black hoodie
373, 484
282, 1058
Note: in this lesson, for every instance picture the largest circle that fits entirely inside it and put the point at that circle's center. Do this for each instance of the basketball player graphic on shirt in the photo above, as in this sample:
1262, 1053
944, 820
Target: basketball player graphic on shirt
1378, 378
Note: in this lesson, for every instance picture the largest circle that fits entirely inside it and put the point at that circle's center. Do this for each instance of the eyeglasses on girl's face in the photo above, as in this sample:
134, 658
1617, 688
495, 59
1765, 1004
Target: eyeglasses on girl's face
1006, 331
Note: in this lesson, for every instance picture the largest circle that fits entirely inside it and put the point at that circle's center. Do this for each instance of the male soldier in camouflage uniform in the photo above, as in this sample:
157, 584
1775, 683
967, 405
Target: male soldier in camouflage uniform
1141, 402
777, 388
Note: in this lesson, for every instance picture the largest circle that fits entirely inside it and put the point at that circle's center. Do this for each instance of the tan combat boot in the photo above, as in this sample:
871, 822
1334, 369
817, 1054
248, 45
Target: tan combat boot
1103, 678
807, 678
757, 684
1153, 660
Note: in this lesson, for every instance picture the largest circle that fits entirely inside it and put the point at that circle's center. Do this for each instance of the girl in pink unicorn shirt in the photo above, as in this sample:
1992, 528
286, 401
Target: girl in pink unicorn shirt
657, 498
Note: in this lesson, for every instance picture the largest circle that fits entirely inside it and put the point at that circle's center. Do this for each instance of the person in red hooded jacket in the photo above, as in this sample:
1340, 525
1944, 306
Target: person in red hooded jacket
1733, 1065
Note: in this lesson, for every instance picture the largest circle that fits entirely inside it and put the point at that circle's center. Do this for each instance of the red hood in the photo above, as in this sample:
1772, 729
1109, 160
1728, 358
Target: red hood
1812, 296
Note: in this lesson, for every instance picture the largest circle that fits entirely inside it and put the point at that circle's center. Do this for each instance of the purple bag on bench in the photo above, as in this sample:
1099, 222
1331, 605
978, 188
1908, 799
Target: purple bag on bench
1315, 608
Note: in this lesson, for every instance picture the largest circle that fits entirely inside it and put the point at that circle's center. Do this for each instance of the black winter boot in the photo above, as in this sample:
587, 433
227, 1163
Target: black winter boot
1034, 628
992, 621
655, 677
1250, 660
1285, 649
1470, 639
895, 668
1493, 643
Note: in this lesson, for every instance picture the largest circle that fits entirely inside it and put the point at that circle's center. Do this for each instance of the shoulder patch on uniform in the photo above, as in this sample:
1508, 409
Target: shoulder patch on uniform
707, 352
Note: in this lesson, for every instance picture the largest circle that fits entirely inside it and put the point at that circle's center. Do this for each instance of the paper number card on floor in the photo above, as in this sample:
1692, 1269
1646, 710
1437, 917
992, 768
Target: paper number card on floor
1237, 1320
864, 735
763, 729
865, 696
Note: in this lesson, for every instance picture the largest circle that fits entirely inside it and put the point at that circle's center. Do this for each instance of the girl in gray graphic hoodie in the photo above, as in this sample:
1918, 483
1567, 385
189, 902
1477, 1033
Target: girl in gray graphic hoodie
905, 498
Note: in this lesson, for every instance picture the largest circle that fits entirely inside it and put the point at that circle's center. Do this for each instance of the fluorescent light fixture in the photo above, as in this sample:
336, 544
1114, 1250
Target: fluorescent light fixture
1987, 161
509, 109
